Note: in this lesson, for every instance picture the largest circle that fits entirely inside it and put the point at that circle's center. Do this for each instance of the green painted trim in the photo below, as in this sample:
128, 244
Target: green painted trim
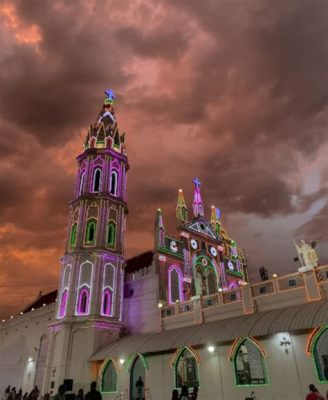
73, 235
265, 368
103, 370
323, 330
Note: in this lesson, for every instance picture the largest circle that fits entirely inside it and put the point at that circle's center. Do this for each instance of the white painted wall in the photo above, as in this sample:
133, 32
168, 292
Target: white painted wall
20, 352
289, 374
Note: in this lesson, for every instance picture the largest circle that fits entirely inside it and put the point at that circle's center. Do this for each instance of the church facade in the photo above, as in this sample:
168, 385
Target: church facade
183, 314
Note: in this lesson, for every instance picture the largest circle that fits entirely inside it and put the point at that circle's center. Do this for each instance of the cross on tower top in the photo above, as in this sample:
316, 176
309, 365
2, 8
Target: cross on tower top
197, 182
110, 94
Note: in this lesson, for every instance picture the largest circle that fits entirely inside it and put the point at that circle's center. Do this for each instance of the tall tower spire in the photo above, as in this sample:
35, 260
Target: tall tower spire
159, 229
197, 205
90, 293
181, 209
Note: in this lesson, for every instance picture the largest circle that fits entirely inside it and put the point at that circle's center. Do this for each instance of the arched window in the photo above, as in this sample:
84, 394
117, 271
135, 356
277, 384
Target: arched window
320, 354
109, 378
113, 183
108, 289
211, 283
107, 302
205, 278
63, 303
96, 180
249, 364
111, 235
73, 235
186, 370
81, 183
84, 288
64, 291
175, 285
90, 234
83, 301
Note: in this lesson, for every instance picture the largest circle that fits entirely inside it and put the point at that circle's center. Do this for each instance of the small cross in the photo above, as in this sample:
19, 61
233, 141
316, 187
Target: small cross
110, 94
196, 182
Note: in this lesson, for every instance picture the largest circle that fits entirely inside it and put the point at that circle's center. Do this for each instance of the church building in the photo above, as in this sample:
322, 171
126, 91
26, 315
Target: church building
182, 314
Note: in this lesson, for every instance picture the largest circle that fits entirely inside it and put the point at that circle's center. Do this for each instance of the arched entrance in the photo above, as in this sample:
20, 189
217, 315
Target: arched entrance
205, 279
138, 378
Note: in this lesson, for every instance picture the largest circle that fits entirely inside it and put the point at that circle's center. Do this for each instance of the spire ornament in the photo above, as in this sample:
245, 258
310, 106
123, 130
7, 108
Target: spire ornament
197, 205
181, 208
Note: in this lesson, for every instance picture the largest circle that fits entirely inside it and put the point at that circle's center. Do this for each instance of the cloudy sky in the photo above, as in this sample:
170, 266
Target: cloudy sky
232, 91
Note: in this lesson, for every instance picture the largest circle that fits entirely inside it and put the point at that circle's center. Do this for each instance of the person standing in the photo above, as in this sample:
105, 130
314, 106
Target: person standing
80, 395
93, 394
139, 386
184, 393
175, 395
61, 393
314, 394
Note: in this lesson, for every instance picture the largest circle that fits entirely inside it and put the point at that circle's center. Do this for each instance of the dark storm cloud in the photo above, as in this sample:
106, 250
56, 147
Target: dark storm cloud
235, 92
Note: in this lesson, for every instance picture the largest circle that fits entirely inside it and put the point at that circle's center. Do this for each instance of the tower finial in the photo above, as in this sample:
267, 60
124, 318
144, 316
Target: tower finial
159, 229
197, 205
215, 219
181, 208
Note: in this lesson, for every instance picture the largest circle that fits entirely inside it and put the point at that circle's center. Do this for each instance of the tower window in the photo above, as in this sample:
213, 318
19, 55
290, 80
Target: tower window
91, 232
107, 303
96, 180
63, 303
81, 183
113, 183
83, 302
175, 285
111, 235
73, 235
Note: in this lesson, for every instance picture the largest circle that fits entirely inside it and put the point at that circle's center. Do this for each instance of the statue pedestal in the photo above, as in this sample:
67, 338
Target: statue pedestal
307, 268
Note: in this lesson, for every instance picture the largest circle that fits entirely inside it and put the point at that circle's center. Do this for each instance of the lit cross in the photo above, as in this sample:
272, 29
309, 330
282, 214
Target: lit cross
196, 182
110, 93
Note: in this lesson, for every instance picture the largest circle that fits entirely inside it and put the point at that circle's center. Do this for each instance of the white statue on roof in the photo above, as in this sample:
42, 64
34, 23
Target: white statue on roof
307, 254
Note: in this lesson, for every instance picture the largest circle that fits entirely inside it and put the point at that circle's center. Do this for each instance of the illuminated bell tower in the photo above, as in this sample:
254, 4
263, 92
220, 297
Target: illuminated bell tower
90, 292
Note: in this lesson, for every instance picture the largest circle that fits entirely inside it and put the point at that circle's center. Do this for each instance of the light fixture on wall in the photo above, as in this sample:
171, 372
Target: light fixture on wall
285, 343
122, 361
274, 276
211, 348
30, 359
160, 305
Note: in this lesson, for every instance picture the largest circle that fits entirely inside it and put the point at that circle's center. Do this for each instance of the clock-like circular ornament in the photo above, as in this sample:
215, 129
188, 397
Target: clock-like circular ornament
231, 266
204, 262
173, 246
213, 251
193, 244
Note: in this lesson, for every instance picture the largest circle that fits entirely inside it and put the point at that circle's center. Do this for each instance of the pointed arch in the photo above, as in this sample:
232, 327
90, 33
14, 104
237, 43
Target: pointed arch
73, 235
83, 305
109, 372
113, 183
185, 363
249, 362
83, 299
91, 232
81, 184
133, 358
111, 235
318, 347
66, 274
96, 182
206, 279
107, 303
175, 286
